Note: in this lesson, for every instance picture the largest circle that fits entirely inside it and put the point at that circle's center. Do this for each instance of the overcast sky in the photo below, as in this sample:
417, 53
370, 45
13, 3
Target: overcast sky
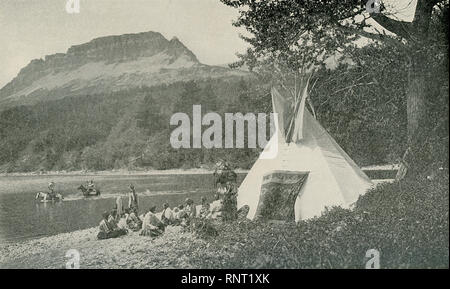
31, 29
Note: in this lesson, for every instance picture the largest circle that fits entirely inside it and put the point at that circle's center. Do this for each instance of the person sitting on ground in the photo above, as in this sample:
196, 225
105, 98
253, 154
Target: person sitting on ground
216, 208
133, 222
167, 217
152, 226
122, 223
190, 208
204, 210
175, 213
180, 216
105, 229
112, 219
190, 212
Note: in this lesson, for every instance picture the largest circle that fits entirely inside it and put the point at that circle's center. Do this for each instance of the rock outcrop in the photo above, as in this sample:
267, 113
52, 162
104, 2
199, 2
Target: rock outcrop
108, 64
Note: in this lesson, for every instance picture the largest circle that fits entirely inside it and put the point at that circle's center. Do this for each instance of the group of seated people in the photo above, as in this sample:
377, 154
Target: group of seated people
115, 225
153, 224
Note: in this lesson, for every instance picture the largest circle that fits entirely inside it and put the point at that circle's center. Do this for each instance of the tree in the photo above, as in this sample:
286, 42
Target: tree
208, 98
299, 34
188, 97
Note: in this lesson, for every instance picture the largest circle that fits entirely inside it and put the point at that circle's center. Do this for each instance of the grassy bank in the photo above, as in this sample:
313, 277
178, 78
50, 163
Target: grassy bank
407, 223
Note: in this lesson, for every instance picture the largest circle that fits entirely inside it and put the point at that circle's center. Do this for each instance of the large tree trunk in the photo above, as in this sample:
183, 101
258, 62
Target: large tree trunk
416, 96
416, 93
416, 117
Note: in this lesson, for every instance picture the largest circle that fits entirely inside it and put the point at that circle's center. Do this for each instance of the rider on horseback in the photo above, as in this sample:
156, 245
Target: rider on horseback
90, 186
51, 188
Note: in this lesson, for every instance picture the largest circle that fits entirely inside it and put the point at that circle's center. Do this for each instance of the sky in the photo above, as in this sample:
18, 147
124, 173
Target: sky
31, 29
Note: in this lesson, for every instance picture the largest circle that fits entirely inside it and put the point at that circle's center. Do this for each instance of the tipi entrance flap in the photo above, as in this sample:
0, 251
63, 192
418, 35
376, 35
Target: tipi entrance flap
279, 192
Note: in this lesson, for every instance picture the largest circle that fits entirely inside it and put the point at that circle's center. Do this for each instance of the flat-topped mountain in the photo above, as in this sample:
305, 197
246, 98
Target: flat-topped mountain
109, 63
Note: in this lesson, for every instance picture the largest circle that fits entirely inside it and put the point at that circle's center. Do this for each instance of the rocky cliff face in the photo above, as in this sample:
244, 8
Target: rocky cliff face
108, 64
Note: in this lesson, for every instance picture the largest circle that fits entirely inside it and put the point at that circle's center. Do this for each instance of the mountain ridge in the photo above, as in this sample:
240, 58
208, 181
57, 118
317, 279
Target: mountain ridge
110, 63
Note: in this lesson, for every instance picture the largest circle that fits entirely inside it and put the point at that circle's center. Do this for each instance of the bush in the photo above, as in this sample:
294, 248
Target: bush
203, 228
406, 222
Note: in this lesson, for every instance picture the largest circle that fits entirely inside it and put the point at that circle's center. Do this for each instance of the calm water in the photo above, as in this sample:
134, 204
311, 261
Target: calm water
22, 218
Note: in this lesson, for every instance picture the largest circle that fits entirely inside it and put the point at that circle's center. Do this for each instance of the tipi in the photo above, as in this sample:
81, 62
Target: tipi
331, 177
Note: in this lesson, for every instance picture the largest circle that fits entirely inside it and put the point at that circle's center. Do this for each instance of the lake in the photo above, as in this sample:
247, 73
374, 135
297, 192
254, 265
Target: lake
23, 218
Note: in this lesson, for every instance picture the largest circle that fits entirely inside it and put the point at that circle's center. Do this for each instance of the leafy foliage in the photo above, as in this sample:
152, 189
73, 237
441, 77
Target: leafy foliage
288, 38
406, 222
361, 106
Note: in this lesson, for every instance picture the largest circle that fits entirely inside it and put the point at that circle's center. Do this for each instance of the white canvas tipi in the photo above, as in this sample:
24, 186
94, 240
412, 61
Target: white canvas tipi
333, 177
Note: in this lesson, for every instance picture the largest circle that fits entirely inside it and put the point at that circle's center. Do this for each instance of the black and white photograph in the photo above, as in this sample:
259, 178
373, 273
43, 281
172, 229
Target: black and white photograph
224, 134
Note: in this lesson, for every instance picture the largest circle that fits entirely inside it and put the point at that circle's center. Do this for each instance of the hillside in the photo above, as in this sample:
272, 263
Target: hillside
106, 104
108, 64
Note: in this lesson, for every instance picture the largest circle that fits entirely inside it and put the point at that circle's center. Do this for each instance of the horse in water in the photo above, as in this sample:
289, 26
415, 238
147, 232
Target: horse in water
47, 197
86, 192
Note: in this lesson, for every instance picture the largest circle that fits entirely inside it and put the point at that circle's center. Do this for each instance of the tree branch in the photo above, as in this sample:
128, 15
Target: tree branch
377, 37
400, 28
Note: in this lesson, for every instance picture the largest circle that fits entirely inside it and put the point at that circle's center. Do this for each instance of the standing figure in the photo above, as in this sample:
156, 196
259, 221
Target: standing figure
225, 181
229, 202
133, 199
119, 206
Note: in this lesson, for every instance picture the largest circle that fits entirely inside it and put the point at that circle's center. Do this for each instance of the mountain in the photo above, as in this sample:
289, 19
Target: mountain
108, 64
107, 104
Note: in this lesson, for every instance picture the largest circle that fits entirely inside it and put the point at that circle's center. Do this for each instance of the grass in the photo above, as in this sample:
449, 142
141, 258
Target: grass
406, 222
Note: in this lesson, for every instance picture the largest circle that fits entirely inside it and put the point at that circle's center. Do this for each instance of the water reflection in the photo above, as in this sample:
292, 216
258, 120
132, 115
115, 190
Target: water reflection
21, 217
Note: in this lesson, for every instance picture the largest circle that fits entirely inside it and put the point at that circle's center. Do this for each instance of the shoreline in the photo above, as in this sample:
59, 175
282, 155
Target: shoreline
50, 251
170, 250
117, 172
191, 171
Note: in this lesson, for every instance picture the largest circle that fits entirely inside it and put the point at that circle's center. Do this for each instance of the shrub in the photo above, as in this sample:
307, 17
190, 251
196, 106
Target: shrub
406, 222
